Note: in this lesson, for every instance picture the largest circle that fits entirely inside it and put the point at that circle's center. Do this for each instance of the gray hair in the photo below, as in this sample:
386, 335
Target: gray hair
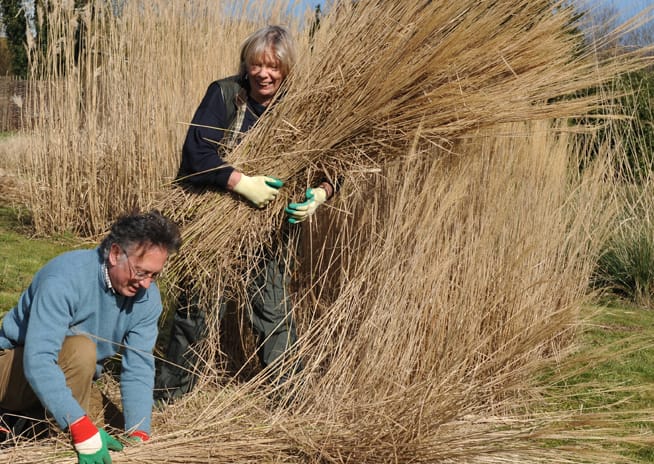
150, 229
278, 39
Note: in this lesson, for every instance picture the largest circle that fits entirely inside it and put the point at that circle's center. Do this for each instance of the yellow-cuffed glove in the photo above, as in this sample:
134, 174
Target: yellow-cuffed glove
298, 212
259, 190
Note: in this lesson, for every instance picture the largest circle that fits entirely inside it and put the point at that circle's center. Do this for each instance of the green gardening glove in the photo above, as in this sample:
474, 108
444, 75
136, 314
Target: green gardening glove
92, 445
298, 212
137, 436
259, 190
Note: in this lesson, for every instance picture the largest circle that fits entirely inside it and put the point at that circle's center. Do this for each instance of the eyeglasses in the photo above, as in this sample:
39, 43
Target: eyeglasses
140, 275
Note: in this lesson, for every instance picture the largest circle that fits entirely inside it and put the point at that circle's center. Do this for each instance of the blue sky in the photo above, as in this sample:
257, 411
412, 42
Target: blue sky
627, 8
303, 4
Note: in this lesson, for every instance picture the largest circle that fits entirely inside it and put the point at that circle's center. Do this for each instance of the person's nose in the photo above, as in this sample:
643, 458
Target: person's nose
145, 283
264, 71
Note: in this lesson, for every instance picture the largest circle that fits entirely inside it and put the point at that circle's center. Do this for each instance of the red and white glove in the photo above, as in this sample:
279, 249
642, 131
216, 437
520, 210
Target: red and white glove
92, 444
138, 436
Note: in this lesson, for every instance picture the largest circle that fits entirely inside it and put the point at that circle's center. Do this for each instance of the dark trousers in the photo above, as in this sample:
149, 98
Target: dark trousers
269, 313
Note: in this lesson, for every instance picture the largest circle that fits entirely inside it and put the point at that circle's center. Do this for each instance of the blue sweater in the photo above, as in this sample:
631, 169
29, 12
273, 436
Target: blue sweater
69, 296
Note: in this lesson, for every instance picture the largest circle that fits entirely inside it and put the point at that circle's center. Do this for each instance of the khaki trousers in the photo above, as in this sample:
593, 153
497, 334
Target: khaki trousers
77, 360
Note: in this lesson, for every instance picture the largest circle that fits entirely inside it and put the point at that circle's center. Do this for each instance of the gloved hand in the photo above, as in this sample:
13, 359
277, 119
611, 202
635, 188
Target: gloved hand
298, 212
138, 436
92, 445
260, 190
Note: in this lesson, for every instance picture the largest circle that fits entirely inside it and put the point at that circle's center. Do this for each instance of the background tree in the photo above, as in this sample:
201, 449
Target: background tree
5, 57
15, 22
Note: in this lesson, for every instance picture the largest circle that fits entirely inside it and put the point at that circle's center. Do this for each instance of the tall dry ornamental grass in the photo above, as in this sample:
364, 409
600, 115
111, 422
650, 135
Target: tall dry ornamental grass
448, 270
391, 76
111, 120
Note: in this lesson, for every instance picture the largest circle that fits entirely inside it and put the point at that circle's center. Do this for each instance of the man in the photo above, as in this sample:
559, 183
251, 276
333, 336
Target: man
81, 308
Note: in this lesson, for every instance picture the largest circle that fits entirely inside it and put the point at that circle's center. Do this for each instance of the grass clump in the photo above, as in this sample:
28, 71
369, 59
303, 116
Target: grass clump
626, 267
626, 264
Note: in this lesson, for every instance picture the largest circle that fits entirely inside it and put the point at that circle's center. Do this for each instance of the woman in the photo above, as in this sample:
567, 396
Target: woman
235, 104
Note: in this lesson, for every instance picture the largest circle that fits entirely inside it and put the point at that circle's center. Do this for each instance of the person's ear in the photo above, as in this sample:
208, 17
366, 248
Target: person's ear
115, 252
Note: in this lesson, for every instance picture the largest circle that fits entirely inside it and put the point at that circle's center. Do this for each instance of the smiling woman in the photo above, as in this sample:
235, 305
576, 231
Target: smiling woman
266, 59
265, 77
235, 103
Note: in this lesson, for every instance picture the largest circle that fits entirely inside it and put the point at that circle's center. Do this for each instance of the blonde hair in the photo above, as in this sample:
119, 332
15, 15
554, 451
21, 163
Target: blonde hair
275, 38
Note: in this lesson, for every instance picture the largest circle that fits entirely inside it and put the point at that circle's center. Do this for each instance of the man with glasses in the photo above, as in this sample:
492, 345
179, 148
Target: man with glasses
82, 308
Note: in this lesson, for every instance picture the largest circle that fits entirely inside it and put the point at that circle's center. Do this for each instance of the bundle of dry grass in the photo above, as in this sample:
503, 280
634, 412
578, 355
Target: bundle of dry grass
382, 76
456, 285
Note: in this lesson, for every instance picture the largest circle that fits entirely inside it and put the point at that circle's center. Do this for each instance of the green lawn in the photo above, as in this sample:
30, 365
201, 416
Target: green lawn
628, 334
612, 372
21, 255
620, 324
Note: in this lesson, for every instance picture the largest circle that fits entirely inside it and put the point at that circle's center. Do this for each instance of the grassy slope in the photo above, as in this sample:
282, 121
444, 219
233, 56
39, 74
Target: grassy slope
617, 322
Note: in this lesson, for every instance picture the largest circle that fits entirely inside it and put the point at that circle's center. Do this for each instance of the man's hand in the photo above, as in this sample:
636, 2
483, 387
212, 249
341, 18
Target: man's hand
260, 190
299, 212
138, 436
92, 445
